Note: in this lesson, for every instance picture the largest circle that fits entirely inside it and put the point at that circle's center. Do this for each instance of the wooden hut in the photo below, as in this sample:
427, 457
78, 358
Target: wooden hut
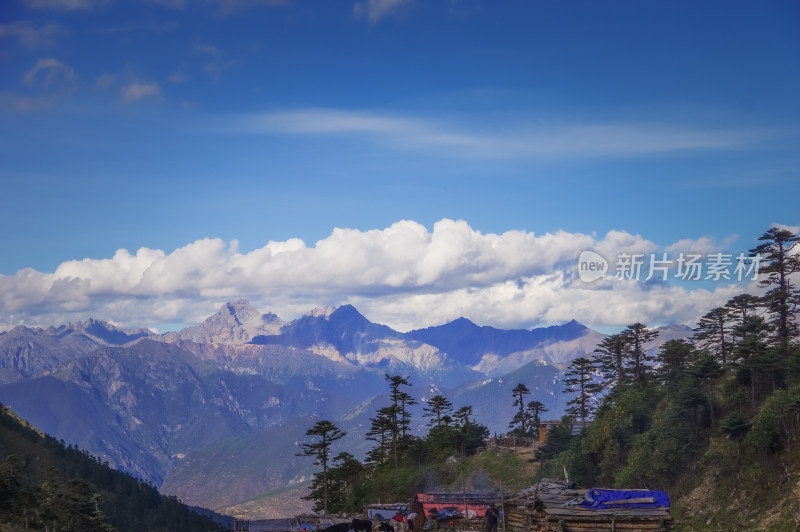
549, 507
467, 508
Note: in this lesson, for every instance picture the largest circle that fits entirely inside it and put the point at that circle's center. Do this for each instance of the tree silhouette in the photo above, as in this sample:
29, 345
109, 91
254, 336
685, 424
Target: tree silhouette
713, 332
328, 433
535, 409
520, 418
438, 406
398, 414
783, 297
579, 379
610, 356
638, 360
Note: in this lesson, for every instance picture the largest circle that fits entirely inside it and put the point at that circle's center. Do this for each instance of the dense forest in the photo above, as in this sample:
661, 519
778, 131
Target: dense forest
713, 420
46, 485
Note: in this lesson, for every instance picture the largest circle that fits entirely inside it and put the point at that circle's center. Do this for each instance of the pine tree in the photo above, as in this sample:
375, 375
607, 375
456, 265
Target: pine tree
752, 355
463, 415
381, 433
638, 360
713, 332
328, 433
783, 297
399, 415
579, 379
742, 305
346, 482
609, 356
438, 406
674, 360
535, 409
520, 419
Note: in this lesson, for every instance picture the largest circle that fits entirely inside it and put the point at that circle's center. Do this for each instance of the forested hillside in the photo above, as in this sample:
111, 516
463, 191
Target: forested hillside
714, 420
45, 485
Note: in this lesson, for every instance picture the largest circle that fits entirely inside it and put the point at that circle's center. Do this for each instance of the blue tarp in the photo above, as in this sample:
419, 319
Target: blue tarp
599, 499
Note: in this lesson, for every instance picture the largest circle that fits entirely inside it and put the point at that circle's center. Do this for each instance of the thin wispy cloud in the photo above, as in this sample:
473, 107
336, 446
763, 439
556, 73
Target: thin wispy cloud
174, 4
177, 77
32, 36
208, 49
556, 141
62, 5
44, 83
47, 73
105, 80
218, 62
139, 90
374, 10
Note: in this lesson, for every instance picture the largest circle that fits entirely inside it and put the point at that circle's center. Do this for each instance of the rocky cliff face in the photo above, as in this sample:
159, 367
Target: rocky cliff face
235, 323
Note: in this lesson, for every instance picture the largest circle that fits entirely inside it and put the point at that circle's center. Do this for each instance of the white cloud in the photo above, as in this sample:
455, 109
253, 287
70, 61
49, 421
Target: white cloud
48, 73
230, 6
47, 81
65, 5
374, 10
177, 77
547, 299
30, 36
404, 275
174, 4
136, 91
549, 141
218, 63
106, 80
701, 246
208, 49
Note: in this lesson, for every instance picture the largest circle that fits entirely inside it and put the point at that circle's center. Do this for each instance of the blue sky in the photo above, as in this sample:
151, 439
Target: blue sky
161, 124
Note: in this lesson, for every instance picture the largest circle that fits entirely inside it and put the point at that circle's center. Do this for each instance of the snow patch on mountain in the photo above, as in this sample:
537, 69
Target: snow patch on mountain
423, 357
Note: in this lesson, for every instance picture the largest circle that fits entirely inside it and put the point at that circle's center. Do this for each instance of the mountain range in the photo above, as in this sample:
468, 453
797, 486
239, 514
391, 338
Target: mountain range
214, 413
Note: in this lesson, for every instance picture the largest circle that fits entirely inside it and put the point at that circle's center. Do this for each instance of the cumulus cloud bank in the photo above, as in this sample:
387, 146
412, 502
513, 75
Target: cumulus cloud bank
404, 276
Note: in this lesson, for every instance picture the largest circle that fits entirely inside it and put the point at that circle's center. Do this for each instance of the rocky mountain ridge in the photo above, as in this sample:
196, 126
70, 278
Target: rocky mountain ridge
212, 413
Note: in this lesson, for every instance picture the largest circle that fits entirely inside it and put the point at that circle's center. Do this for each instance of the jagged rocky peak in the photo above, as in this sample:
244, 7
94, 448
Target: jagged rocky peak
236, 322
104, 332
321, 312
235, 313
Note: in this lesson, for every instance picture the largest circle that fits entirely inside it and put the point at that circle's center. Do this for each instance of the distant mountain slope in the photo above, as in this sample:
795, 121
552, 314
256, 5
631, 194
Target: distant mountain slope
343, 326
468, 343
235, 469
559, 353
30, 352
147, 407
212, 413
343, 334
493, 403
